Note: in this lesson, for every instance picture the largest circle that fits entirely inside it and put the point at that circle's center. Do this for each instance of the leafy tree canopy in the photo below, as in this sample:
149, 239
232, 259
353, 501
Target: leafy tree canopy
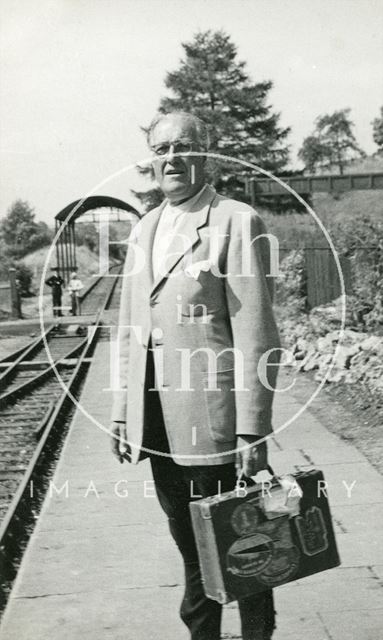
332, 145
19, 231
87, 234
377, 128
213, 84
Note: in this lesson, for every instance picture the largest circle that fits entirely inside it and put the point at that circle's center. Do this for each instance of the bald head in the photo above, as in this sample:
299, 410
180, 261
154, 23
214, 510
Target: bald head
194, 125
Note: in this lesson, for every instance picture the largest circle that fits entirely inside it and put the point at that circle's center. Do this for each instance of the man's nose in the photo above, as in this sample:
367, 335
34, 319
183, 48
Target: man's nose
170, 153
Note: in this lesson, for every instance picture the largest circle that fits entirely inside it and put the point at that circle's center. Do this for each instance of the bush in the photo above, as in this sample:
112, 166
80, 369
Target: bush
24, 274
293, 230
361, 240
24, 277
292, 285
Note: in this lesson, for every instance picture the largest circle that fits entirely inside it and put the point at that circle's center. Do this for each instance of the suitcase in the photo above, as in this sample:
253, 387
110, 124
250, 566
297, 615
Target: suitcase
244, 548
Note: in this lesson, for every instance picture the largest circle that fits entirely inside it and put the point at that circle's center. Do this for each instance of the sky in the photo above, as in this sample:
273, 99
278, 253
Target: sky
78, 78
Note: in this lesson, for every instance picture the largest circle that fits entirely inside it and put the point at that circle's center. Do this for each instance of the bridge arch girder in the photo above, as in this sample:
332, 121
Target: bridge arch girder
65, 226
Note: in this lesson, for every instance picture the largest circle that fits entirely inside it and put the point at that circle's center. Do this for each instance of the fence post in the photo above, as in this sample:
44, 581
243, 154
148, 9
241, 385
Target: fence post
15, 295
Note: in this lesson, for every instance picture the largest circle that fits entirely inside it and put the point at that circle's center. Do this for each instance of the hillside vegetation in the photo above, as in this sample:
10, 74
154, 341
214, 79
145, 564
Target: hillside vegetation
355, 223
87, 263
88, 267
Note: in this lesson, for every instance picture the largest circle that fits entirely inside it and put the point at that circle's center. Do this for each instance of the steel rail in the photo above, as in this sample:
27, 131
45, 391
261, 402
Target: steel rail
110, 293
11, 357
113, 289
98, 281
5, 398
8, 375
31, 489
23, 354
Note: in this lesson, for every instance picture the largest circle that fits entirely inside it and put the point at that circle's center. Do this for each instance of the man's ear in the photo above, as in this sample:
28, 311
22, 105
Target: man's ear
146, 169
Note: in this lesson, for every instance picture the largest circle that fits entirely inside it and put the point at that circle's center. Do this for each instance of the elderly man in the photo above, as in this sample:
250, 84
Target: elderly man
196, 331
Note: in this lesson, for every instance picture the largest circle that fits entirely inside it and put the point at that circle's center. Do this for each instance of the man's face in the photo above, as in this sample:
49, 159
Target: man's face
179, 176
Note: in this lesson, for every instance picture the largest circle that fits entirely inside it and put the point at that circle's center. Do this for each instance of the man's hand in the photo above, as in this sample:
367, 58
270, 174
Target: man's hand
251, 457
120, 449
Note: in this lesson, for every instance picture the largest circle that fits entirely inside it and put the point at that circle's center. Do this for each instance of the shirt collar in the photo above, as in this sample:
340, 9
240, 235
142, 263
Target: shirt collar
187, 205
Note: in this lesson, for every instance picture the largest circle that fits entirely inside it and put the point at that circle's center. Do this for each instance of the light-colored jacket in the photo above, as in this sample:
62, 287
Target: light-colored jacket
74, 286
193, 310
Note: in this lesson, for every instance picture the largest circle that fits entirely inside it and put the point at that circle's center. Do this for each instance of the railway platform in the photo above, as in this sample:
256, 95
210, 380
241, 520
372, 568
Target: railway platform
101, 565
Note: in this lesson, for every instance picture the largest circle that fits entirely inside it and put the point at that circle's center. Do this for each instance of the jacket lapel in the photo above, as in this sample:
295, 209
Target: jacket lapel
195, 219
147, 240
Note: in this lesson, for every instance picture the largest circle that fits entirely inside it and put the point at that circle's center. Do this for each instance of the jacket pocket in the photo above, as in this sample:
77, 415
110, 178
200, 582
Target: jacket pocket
220, 401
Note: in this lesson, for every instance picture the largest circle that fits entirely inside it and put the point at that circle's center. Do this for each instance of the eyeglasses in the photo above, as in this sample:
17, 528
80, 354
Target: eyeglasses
180, 146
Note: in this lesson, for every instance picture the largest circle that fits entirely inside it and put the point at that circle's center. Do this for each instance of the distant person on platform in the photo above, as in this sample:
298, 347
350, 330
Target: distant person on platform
55, 282
74, 287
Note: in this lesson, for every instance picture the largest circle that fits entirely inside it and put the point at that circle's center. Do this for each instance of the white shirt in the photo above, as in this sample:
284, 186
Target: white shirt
171, 219
75, 285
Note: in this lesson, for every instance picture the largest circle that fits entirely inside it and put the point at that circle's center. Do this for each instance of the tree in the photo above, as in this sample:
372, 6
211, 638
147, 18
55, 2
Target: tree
151, 198
87, 234
312, 153
377, 128
20, 232
24, 277
18, 225
214, 85
332, 145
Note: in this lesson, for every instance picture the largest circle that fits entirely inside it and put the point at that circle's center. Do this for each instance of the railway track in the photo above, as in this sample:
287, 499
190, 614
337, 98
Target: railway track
34, 418
22, 420
19, 370
20, 367
100, 290
114, 299
35, 411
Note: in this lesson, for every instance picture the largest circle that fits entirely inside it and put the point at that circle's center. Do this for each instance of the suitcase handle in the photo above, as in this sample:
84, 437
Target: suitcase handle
268, 468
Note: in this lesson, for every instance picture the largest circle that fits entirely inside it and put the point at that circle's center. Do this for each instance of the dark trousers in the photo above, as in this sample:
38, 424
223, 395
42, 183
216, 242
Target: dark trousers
175, 487
56, 302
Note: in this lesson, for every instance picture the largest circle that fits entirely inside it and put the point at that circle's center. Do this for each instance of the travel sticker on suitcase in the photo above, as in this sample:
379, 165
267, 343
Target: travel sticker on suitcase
255, 540
269, 553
